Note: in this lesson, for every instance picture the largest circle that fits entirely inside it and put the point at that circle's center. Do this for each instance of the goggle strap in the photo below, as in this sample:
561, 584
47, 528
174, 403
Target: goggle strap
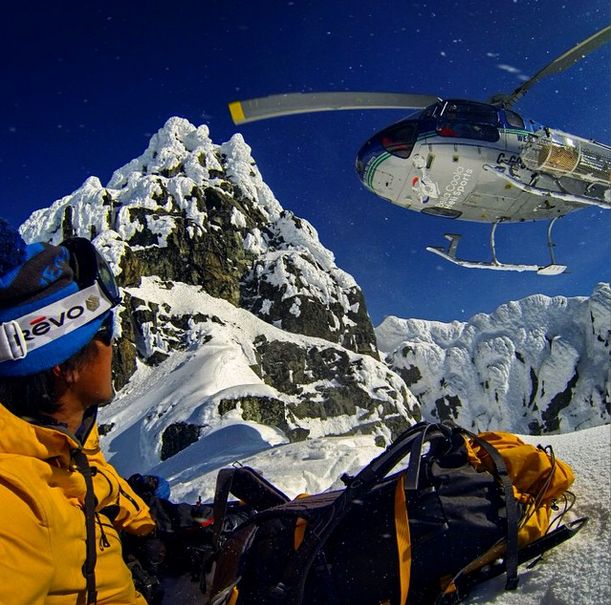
45, 325
12, 342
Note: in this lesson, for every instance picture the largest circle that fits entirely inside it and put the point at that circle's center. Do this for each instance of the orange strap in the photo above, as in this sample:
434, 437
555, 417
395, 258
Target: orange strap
233, 596
404, 546
300, 528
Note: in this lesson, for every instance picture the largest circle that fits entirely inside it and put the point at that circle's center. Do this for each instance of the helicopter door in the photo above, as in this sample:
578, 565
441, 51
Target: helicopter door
514, 136
467, 137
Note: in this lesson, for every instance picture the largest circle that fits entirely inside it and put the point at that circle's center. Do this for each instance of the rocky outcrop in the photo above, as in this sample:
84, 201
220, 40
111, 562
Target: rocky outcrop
303, 386
296, 287
176, 437
325, 383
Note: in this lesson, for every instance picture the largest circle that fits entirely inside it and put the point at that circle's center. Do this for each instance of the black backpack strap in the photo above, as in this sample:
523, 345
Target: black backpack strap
83, 467
256, 491
412, 474
224, 480
533, 550
289, 590
409, 442
511, 506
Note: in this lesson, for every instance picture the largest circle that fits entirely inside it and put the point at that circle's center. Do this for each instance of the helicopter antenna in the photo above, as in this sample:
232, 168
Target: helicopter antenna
567, 59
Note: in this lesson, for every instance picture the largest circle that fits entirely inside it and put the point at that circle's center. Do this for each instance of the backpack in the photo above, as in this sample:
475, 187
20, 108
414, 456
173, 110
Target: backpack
462, 509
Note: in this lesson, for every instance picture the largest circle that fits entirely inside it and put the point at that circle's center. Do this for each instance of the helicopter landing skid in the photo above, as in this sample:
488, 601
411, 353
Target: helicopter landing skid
450, 254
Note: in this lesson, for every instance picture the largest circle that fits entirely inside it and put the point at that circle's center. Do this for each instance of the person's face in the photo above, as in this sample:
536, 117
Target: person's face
92, 381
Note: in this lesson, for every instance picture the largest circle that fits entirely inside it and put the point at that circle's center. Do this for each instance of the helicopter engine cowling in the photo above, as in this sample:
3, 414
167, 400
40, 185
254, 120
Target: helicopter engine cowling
565, 155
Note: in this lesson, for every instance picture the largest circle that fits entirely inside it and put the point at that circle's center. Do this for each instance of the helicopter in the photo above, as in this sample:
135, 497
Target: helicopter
469, 160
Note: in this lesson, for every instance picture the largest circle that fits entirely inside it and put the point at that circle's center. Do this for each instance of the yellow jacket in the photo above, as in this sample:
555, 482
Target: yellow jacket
43, 534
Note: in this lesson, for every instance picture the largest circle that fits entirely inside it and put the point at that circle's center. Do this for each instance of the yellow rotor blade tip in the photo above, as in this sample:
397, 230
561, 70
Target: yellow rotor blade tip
237, 113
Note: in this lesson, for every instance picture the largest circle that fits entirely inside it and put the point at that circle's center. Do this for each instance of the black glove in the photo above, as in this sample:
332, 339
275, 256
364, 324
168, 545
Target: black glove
146, 584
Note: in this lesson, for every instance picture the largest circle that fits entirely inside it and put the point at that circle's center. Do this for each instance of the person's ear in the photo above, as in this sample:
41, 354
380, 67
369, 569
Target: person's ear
66, 375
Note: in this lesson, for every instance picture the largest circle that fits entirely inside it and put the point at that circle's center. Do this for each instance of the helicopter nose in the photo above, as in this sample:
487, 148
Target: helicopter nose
397, 140
368, 152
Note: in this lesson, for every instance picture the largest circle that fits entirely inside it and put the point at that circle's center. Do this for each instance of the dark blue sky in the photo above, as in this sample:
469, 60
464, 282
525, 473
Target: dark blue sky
86, 83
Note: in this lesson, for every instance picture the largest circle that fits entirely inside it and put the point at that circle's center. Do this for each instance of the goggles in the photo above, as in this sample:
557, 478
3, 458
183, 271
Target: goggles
90, 267
98, 293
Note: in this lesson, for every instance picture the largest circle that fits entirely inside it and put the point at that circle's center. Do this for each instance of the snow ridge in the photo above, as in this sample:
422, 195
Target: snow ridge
535, 365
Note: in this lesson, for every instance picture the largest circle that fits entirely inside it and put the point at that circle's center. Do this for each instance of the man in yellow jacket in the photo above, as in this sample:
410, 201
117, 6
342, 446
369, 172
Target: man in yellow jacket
62, 505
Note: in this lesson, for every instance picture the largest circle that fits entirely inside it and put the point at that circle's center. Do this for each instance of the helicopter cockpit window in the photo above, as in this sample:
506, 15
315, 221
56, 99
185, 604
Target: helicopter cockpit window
513, 119
473, 112
399, 139
469, 121
429, 112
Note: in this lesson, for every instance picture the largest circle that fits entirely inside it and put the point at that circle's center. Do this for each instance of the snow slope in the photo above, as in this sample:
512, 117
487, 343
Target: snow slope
198, 385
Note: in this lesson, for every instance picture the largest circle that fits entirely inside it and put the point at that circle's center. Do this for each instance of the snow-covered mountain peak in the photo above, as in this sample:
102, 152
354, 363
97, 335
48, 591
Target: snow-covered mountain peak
180, 148
169, 148
209, 204
391, 332
192, 232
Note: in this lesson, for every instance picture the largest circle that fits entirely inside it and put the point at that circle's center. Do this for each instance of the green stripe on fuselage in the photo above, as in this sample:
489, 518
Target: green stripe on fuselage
514, 131
426, 135
374, 166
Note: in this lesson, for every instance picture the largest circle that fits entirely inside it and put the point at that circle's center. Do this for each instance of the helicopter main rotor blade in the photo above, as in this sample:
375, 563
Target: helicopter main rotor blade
565, 60
295, 103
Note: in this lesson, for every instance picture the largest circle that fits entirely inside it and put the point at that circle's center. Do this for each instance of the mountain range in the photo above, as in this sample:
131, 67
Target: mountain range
240, 340
235, 313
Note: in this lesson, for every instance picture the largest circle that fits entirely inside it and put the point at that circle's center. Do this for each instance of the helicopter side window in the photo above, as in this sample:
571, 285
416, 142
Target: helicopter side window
513, 119
399, 139
429, 112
